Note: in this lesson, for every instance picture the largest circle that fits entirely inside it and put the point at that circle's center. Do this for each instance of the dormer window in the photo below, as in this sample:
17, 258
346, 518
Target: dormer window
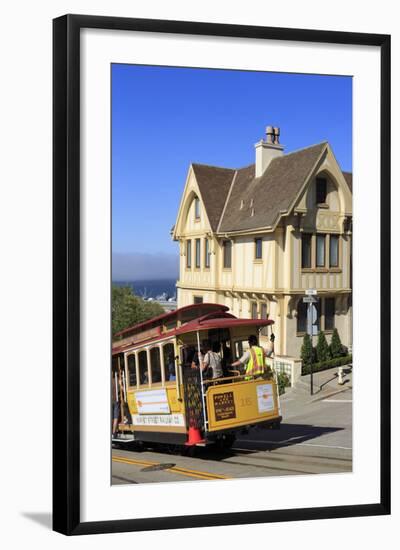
320, 190
197, 208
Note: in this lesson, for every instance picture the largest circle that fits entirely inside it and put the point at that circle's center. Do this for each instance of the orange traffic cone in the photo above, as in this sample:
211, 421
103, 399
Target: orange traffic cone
194, 436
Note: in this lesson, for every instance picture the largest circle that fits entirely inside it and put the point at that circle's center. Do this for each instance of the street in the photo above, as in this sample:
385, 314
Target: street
315, 437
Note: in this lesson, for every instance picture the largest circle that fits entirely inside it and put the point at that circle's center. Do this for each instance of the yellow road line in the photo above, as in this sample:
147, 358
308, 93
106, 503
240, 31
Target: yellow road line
175, 469
178, 469
129, 461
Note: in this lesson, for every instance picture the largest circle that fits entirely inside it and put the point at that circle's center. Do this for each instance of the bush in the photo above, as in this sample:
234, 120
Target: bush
324, 365
306, 353
283, 382
323, 353
336, 347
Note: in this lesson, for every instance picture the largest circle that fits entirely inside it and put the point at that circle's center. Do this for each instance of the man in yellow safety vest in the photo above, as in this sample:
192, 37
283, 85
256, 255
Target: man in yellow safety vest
253, 359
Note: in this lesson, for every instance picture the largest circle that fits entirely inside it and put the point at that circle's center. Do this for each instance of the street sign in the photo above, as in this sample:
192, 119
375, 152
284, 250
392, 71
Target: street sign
314, 315
311, 291
310, 300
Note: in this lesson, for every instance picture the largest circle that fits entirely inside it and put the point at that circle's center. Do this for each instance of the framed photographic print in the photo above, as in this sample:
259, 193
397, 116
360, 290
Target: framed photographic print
221, 274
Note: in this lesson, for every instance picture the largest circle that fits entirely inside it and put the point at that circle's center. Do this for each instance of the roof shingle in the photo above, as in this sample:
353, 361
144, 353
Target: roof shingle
214, 184
251, 202
348, 176
265, 197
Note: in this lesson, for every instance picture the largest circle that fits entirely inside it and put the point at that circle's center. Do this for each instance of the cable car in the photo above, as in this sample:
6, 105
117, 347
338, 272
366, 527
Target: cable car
161, 398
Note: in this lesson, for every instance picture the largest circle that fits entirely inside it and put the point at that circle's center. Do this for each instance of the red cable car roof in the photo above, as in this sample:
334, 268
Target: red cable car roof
222, 322
217, 318
178, 314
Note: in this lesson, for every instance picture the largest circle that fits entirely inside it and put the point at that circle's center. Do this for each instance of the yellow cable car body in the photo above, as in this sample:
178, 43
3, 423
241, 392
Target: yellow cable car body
163, 398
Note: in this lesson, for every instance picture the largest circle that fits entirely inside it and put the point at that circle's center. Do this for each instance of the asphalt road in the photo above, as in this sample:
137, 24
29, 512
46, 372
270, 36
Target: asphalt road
315, 437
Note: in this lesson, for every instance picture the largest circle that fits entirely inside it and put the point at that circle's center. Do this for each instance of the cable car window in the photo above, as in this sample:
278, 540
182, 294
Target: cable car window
238, 350
143, 373
188, 353
155, 365
169, 362
132, 370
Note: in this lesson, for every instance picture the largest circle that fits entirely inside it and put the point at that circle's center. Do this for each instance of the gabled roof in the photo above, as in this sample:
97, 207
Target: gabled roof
270, 194
214, 184
235, 200
348, 176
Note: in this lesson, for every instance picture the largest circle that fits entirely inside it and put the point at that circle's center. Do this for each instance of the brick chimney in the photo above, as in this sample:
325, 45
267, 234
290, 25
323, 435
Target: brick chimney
267, 149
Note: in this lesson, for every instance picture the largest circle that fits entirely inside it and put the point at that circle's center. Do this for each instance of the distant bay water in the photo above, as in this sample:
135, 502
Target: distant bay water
147, 288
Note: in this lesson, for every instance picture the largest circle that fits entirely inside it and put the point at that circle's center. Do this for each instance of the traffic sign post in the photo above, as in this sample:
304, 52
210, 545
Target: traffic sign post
311, 299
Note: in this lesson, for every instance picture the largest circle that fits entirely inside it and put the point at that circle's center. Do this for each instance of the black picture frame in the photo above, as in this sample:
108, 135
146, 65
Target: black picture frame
66, 272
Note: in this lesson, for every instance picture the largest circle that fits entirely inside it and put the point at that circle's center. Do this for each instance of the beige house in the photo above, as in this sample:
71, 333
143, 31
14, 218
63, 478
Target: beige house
257, 237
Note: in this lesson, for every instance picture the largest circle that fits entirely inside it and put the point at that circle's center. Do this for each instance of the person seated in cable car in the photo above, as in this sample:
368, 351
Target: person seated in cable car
210, 360
171, 367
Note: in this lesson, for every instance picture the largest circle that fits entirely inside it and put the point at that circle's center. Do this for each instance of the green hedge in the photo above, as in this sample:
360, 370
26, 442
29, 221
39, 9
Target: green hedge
283, 382
324, 365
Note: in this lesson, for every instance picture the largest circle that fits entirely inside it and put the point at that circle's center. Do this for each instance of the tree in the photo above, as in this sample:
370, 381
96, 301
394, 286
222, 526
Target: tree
336, 347
306, 353
128, 309
322, 348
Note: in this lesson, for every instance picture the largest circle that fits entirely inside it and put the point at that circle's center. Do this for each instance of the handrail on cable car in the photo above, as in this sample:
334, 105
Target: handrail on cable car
235, 377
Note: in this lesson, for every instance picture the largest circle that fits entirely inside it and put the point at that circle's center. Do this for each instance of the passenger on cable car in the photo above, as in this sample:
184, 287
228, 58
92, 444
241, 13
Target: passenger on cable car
171, 367
210, 360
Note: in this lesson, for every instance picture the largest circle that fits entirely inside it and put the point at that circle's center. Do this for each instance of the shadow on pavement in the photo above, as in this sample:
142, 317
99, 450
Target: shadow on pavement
268, 440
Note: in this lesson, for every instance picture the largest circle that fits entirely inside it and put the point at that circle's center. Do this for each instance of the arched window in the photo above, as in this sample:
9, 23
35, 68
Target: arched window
155, 365
143, 373
169, 362
132, 370
197, 208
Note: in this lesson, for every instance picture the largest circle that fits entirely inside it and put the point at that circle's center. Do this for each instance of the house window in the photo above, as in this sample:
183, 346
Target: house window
207, 253
227, 248
264, 314
189, 254
198, 253
306, 250
320, 250
302, 316
197, 208
318, 308
334, 251
329, 313
258, 249
254, 313
197, 299
320, 190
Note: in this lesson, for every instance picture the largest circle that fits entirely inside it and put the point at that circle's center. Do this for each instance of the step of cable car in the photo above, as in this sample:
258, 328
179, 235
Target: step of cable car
123, 438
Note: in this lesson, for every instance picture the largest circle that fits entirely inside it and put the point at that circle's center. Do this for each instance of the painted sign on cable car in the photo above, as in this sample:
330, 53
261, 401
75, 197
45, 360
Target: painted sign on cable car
158, 420
265, 398
152, 401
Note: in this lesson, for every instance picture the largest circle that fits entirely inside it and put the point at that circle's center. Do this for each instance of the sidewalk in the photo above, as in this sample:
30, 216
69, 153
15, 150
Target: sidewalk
325, 384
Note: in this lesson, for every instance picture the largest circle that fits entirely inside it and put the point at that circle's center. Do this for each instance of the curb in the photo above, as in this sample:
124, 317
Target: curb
331, 394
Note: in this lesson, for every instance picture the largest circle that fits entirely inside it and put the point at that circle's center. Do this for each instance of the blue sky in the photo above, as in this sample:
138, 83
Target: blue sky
164, 118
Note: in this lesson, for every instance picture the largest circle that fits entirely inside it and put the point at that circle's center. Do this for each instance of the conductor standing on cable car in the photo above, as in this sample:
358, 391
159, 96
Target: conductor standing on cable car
253, 359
